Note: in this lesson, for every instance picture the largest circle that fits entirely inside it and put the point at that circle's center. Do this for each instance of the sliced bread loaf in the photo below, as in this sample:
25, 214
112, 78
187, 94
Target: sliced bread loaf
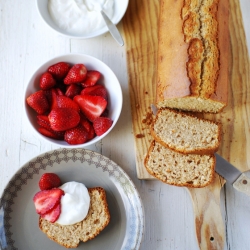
185, 133
97, 219
171, 167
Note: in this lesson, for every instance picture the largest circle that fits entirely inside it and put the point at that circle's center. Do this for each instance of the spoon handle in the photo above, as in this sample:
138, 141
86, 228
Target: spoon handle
113, 29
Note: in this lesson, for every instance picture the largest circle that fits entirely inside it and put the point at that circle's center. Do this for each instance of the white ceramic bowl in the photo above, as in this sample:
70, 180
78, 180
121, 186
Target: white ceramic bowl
120, 7
109, 80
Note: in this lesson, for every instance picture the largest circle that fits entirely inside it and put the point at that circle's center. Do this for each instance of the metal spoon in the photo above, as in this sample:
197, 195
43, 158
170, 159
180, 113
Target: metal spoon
112, 29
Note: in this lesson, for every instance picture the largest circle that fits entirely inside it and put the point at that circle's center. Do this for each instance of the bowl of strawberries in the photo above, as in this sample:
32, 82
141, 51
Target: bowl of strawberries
73, 100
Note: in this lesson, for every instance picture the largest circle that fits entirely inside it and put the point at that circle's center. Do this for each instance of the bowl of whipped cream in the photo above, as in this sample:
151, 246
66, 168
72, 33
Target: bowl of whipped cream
80, 19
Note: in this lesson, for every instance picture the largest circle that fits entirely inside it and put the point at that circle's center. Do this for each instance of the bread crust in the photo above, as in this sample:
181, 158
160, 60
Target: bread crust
201, 151
164, 179
45, 225
178, 83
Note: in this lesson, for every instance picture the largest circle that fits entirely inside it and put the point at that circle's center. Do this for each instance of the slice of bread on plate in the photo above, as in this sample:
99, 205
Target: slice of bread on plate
97, 219
173, 168
186, 133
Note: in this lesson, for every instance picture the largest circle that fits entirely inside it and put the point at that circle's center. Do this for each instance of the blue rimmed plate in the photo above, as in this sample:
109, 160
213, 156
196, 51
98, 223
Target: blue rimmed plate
19, 221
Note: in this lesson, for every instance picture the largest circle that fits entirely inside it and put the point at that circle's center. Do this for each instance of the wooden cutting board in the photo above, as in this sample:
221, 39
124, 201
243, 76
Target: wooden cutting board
140, 26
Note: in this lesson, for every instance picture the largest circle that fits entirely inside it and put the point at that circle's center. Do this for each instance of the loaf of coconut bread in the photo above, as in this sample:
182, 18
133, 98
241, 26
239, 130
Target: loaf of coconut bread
97, 219
193, 55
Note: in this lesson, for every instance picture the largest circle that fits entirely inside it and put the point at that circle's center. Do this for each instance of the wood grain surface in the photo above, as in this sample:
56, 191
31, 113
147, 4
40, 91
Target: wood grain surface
140, 29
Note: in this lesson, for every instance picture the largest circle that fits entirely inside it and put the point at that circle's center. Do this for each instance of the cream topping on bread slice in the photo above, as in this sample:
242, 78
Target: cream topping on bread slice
97, 219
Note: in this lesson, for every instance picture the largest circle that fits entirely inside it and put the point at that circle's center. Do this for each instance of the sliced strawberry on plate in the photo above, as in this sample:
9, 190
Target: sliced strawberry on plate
76, 74
77, 135
101, 125
49, 181
59, 70
66, 102
47, 81
73, 90
62, 119
91, 106
38, 102
97, 89
46, 200
91, 79
51, 134
54, 214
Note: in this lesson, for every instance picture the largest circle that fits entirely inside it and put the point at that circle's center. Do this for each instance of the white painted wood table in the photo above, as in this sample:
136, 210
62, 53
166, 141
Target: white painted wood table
25, 43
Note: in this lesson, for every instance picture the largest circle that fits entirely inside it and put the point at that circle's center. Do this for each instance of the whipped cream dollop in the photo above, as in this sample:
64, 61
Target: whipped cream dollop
74, 203
80, 17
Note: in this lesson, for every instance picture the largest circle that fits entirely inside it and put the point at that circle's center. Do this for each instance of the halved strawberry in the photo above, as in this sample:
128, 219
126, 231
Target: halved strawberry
49, 181
92, 77
46, 130
77, 135
101, 125
66, 102
97, 89
46, 200
47, 81
54, 214
88, 127
58, 135
91, 106
73, 90
62, 119
59, 70
55, 92
38, 102
43, 121
76, 74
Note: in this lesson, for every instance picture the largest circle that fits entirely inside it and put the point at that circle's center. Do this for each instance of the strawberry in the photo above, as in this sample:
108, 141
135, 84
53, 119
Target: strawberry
47, 81
66, 102
43, 121
59, 70
97, 89
55, 92
88, 127
76, 74
54, 214
77, 135
58, 135
91, 106
101, 125
38, 102
91, 78
46, 130
49, 181
62, 119
46, 200
73, 90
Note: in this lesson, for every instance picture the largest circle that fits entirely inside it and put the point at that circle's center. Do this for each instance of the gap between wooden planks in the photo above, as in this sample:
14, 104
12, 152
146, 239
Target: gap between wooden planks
140, 30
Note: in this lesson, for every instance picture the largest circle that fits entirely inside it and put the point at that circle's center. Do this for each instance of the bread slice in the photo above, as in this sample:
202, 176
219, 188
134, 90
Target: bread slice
97, 219
185, 133
188, 170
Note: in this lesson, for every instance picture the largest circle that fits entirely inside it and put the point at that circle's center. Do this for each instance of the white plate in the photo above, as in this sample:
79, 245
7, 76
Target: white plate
120, 7
18, 218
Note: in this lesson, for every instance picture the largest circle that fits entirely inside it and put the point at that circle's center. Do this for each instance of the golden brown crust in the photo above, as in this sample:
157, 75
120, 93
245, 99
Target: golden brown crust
55, 231
175, 183
186, 80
